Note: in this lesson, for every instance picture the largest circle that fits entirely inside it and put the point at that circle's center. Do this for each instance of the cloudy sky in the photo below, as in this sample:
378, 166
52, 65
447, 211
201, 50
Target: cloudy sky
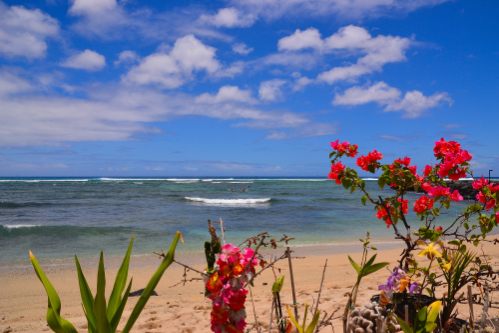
242, 87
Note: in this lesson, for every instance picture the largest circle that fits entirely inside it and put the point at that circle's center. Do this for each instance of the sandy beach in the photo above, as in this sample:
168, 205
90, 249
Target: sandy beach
183, 308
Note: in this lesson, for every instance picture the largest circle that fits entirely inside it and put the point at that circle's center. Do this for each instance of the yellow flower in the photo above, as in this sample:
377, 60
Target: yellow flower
447, 266
430, 251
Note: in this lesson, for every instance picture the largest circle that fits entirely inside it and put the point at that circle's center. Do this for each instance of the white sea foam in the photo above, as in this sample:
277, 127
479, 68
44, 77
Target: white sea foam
123, 179
138, 183
229, 201
15, 226
239, 182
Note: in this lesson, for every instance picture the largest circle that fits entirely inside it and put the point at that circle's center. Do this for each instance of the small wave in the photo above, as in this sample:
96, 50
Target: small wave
229, 201
13, 205
138, 183
239, 182
369, 178
16, 226
216, 182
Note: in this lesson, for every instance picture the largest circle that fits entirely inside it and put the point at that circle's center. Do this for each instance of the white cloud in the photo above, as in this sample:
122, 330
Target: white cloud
127, 57
158, 169
271, 90
88, 60
241, 48
121, 113
23, 32
92, 7
227, 94
190, 169
380, 92
310, 38
172, 70
11, 83
351, 9
229, 18
414, 103
306, 48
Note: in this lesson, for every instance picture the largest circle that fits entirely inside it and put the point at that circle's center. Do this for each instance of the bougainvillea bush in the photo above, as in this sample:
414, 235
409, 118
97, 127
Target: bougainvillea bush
451, 265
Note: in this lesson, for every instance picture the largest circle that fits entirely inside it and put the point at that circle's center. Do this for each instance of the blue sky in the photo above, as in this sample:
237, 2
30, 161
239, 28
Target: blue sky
242, 87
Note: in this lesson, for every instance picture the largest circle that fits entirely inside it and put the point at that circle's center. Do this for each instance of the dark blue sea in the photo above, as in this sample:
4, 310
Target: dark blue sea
58, 218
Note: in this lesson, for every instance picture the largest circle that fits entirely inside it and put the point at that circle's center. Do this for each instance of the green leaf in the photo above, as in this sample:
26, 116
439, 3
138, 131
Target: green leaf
419, 325
381, 182
54, 320
293, 319
374, 268
433, 311
364, 200
466, 226
371, 168
354, 264
370, 262
429, 327
277, 286
475, 242
103, 325
331, 154
149, 289
119, 311
313, 323
346, 182
87, 298
119, 284
372, 247
404, 326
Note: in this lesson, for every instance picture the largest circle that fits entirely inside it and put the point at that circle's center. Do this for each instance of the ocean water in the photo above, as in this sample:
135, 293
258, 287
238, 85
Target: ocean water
58, 218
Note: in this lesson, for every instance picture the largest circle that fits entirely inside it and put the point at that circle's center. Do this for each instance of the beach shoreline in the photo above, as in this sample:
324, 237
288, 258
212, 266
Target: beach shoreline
183, 308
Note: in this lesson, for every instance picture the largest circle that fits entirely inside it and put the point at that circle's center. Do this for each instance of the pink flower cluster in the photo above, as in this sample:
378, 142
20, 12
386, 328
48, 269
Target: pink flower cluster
440, 191
452, 156
226, 287
487, 199
371, 159
335, 173
345, 147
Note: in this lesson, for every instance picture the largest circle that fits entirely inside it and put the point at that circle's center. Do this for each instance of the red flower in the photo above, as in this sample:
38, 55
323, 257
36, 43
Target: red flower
427, 170
439, 229
422, 204
214, 284
336, 168
238, 299
479, 183
455, 196
404, 205
345, 147
406, 161
364, 161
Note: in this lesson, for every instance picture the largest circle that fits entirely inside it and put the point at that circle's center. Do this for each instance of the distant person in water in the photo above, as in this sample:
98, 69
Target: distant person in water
230, 189
243, 190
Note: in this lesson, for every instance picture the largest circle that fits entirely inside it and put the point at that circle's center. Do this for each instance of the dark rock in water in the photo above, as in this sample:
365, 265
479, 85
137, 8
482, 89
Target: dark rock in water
464, 187
140, 291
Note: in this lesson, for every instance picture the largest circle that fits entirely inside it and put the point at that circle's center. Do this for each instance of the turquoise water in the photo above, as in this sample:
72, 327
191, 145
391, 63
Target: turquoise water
57, 218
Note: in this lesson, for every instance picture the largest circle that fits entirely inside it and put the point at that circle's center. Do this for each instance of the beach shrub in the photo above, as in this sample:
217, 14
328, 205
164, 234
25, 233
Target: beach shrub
102, 317
472, 226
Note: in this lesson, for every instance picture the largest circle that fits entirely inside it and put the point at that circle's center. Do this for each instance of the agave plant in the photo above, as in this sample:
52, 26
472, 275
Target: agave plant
102, 317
